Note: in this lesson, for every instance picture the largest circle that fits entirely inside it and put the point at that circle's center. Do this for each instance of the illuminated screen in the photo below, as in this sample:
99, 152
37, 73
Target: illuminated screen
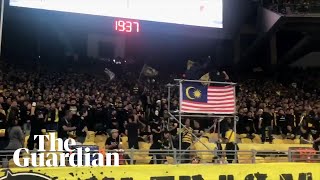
203, 13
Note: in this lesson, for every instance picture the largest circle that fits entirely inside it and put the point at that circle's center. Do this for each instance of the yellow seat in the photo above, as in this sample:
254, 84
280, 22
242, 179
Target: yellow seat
278, 141
288, 141
90, 136
205, 156
276, 159
144, 145
204, 140
89, 143
296, 141
246, 140
124, 138
242, 136
100, 138
256, 139
260, 160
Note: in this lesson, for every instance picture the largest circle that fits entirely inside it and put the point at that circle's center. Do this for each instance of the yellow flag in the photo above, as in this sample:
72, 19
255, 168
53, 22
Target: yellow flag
205, 77
189, 64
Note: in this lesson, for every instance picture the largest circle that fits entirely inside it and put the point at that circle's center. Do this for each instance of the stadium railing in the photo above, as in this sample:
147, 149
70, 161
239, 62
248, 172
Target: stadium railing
174, 156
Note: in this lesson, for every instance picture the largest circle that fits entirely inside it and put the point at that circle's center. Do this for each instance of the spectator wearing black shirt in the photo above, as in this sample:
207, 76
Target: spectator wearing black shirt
65, 126
52, 118
315, 133
266, 124
37, 119
304, 135
249, 124
113, 142
156, 131
282, 122
290, 117
81, 125
132, 131
13, 112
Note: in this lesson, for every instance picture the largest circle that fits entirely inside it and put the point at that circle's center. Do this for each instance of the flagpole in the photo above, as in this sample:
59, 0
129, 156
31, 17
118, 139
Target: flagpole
1, 25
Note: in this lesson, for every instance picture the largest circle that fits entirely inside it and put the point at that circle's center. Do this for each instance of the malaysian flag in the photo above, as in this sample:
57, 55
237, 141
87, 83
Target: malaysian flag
197, 98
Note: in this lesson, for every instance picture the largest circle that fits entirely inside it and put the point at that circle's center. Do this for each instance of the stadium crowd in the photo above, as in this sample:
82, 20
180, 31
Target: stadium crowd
74, 103
293, 6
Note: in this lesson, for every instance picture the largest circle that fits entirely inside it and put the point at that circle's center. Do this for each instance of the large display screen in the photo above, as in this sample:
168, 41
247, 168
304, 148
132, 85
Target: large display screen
203, 13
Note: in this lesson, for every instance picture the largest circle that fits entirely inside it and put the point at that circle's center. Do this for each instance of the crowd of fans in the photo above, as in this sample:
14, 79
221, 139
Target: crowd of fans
74, 103
293, 6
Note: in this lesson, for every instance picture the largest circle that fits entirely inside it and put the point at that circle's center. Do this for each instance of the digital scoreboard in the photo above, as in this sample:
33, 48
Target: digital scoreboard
128, 26
201, 13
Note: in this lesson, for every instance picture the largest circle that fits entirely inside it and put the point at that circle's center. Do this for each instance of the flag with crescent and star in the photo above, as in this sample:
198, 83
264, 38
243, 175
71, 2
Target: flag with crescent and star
199, 98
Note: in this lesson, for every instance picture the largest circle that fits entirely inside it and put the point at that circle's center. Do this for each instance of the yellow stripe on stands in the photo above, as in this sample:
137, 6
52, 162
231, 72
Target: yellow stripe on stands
272, 171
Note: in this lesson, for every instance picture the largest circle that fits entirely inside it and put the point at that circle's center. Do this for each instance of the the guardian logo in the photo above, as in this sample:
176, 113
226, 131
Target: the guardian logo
63, 156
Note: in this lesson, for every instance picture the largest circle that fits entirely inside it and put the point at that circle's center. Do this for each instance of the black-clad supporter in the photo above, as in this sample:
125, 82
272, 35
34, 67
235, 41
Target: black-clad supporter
266, 125
132, 131
197, 130
291, 123
13, 112
314, 129
156, 131
81, 126
3, 129
166, 145
52, 118
100, 117
37, 124
65, 126
282, 122
113, 142
249, 124
304, 135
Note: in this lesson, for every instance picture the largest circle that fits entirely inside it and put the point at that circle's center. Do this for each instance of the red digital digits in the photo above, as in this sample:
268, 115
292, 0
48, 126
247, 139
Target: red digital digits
127, 26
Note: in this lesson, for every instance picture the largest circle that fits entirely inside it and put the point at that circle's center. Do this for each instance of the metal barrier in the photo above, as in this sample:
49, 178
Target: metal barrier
132, 156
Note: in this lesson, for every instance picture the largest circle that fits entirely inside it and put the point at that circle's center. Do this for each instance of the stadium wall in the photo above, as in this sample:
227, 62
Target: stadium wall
271, 171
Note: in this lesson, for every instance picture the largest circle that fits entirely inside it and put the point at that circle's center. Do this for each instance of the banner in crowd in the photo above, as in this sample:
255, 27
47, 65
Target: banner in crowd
271, 171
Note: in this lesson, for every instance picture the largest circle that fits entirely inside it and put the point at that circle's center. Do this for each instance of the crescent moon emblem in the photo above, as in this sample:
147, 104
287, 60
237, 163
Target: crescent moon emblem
187, 92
